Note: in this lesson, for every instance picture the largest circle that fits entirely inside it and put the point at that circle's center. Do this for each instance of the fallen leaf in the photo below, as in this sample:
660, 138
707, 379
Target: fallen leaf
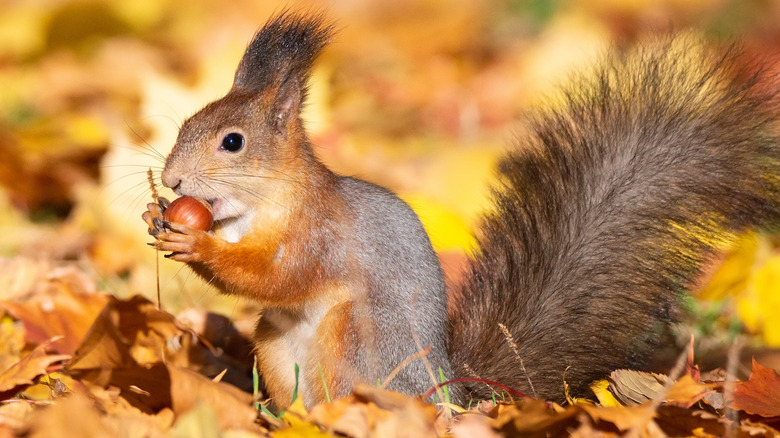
64, 305
472, 425
297, 426
623, 417
754, 429
372, 411
636, 387
532, 417
760, 395
22, 374
678, 421
685, 392
131, 331
232, 407
601, 389
15, 414
78, 415
200, 422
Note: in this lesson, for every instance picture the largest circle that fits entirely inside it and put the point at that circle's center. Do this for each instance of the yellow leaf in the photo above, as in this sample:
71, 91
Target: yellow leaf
295, 417
732, 276
759, 306
296, 413
605, 397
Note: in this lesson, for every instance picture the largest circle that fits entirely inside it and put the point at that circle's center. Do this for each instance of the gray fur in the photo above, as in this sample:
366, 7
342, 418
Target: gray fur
404, 291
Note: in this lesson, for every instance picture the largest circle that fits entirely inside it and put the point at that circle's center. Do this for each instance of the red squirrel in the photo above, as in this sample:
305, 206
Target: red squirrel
605, 214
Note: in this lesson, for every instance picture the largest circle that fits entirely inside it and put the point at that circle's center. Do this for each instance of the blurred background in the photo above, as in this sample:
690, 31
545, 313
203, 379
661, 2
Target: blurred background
419, 96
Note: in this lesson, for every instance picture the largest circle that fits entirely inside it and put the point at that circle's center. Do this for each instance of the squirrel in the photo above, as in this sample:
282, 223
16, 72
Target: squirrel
605, 213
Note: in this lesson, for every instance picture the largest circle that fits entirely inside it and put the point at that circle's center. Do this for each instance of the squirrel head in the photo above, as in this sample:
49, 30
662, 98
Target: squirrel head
239, 150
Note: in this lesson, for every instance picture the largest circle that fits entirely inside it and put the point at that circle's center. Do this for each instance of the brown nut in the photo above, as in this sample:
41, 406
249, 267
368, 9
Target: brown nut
191, 212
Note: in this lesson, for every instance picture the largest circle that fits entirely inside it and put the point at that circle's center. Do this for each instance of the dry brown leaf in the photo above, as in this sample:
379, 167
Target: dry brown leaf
685, 392
128, 332
757, 430
80, 416
532, 417
760, 395
623, 417
133, 333
22, 374
373, 411
232, 406
636, 387
134, 347
64, 305
473, 425
15, 414
677, 421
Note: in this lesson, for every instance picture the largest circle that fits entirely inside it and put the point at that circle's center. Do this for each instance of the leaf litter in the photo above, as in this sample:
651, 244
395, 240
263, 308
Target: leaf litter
138, 368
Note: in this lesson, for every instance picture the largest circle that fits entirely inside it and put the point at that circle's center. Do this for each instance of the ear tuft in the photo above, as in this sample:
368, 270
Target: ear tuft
283, 52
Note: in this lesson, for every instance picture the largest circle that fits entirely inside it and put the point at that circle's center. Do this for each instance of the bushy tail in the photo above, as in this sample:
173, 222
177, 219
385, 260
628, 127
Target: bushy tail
607, 211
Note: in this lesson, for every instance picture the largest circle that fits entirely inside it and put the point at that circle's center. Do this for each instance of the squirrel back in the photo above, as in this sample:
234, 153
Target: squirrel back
606, 213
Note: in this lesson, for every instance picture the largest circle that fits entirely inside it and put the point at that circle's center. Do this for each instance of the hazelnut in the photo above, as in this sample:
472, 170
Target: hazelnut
190, 211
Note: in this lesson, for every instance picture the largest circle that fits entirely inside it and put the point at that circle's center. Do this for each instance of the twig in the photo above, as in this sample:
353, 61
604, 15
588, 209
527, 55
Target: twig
156, 198
150, 178
732, 362
422, 353
513, 345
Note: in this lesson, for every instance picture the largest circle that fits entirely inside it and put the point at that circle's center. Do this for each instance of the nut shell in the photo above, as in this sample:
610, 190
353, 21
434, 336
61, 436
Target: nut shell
191, 212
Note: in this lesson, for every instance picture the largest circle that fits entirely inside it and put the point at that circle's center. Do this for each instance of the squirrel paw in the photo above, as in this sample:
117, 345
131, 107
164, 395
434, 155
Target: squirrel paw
185, 244
153, 216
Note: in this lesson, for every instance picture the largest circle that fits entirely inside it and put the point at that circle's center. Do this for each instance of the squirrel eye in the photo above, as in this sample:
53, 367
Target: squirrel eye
232, 142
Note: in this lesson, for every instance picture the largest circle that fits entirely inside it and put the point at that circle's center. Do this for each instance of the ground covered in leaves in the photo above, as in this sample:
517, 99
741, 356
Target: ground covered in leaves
80, 362
93, 93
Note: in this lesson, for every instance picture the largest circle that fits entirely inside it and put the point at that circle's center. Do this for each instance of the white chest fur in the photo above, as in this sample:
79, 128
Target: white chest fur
298, 337
233, 229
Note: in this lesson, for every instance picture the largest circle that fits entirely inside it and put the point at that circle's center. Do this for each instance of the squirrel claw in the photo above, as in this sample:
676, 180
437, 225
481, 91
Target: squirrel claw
153, 217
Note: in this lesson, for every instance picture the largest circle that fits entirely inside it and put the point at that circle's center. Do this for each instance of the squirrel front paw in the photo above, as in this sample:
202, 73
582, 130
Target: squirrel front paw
153, 216
185, 244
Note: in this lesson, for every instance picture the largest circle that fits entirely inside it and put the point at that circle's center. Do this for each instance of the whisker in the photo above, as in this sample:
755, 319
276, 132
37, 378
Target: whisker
155, 151
153, 154
248, 191
270, 178
145, 166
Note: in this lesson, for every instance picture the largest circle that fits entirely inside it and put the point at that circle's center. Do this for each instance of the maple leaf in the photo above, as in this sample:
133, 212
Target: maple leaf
760, 395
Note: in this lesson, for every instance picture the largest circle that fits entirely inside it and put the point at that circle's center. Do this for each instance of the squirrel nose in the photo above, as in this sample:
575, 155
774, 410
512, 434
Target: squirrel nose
171, 180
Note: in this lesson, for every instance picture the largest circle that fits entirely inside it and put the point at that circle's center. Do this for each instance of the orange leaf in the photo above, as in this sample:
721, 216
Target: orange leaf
22, 374
233, 407
685, 392
65, 309
760, 395
623, 417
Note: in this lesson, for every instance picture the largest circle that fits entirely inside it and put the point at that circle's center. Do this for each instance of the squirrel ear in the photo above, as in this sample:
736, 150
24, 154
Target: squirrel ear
288, 105
279, 60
